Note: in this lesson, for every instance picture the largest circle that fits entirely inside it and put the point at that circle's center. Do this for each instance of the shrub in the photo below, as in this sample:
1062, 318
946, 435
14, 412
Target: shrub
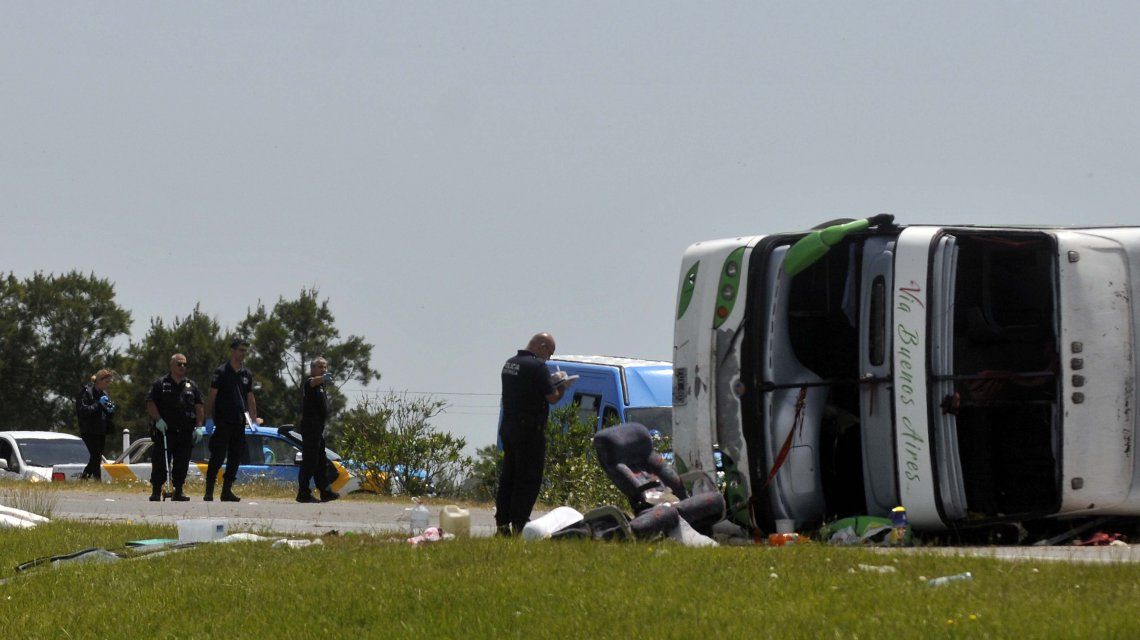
483, 482
572, 475
389, 441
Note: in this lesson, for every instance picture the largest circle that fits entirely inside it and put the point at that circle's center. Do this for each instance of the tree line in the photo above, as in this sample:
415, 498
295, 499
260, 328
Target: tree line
57, 330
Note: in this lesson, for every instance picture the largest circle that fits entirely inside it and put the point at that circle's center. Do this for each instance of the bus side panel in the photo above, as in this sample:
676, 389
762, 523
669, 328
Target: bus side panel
1096, 314
910, 347
880, 484
695, 366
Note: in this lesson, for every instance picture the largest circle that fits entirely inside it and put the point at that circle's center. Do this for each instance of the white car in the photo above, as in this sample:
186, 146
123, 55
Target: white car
30, 455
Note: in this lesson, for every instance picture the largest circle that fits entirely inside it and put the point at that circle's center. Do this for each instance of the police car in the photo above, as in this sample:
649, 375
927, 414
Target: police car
271, 454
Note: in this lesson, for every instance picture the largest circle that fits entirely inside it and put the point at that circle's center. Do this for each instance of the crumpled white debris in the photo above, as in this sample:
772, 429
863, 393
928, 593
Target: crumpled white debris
242, 537
689, 537
300, 543
431, 534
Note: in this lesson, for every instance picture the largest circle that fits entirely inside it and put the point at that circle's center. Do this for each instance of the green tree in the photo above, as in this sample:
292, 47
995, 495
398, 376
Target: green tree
75, 321
197, 336
23, 394
390, 440
286, 339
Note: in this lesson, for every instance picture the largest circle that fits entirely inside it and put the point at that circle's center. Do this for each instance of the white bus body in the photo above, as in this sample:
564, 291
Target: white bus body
970, 374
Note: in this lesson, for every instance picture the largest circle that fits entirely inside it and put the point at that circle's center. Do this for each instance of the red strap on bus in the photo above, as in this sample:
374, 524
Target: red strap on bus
797, 423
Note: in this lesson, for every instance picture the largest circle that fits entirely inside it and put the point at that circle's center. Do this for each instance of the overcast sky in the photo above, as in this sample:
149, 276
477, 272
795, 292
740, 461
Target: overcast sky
454, 176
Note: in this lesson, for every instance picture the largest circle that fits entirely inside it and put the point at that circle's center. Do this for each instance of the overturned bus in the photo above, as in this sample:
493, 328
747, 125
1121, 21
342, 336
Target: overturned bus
971, 374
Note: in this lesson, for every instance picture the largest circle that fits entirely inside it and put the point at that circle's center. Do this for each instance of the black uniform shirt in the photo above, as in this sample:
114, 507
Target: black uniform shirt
314, 406
233, 388
93, 419
526, 383
175, 401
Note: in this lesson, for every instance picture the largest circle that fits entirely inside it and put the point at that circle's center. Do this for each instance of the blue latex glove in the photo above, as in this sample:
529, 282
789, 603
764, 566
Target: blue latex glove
199, 433
160, 425
209, 425
107, 405
327, 378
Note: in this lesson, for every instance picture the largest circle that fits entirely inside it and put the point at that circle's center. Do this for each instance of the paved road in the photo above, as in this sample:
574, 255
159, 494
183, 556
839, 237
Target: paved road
256, 514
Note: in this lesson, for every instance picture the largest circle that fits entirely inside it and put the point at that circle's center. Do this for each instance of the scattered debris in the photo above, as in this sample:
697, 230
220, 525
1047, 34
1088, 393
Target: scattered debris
877, 568
944, 580
244, 537
1102, 539
431, 534
296, 544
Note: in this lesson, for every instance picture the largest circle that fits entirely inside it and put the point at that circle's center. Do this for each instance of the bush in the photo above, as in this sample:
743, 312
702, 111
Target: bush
572, 475
389, 441
483, 482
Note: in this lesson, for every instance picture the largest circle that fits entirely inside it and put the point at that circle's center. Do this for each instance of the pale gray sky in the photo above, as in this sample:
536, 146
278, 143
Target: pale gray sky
455, 176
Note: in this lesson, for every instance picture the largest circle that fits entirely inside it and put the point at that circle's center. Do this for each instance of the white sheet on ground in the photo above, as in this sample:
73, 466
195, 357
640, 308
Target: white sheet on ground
688, 536
545, 526
243, 537
34, 518
12, 522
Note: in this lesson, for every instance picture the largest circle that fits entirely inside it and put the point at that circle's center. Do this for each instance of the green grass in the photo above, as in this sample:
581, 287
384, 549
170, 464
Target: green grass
360, 586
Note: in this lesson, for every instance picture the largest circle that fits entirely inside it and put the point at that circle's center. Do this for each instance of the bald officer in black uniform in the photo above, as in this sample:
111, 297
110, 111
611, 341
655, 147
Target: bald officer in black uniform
528, 391
314, 414
175, 405
230, 399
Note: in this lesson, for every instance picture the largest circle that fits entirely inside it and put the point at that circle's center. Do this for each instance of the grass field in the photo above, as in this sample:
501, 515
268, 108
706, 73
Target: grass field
359, 586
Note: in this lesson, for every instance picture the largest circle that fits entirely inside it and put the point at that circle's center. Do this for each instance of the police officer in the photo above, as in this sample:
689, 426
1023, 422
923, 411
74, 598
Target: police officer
175, 405
229, 402
314, 414
528, 391
94, 407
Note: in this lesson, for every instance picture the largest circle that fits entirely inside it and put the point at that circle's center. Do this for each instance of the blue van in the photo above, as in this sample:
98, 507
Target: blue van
617, 389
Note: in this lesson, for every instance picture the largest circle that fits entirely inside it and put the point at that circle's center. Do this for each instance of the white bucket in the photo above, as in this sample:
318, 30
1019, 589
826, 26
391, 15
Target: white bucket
455, 521
201, 529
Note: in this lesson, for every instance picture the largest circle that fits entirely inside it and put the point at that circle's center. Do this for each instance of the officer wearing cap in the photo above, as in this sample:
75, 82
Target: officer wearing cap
528, 391
231, 404
175, 405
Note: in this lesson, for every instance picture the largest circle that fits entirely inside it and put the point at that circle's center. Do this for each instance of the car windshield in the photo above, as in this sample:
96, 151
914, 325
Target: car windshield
47, 452
659, 418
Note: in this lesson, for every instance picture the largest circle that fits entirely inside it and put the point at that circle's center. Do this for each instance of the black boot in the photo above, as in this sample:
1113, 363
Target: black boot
328, 495
156, 494
228, 494
179, 496
306, 496
209, 497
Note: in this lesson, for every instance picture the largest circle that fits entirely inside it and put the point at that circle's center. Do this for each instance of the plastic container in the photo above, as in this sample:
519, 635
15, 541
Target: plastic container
455, 521
785, 526
201, 529
938, 582
419, 519
781, 539
899, 528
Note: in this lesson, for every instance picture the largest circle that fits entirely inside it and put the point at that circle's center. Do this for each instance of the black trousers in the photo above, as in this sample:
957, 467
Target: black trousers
227, 444
95, 444
521, 479
312, 459
180, 441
